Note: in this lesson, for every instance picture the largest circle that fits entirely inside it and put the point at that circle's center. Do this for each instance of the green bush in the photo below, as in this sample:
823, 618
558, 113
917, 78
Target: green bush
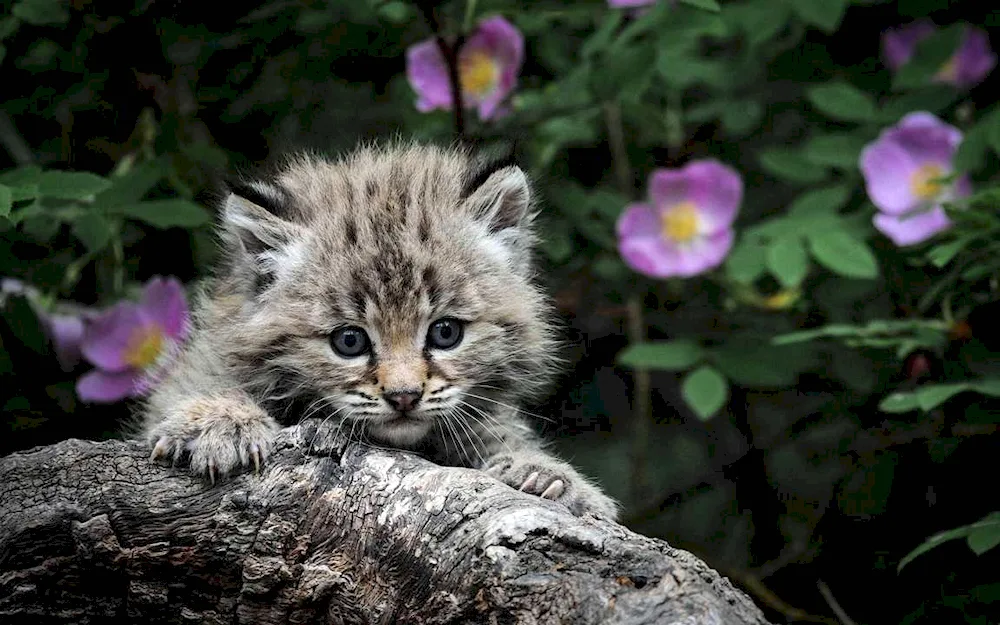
798, 390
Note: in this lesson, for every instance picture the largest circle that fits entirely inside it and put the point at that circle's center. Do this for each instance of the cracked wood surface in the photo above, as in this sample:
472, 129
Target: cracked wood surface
327, 533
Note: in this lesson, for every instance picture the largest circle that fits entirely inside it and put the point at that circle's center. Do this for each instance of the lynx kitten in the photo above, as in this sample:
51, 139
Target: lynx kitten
392, 291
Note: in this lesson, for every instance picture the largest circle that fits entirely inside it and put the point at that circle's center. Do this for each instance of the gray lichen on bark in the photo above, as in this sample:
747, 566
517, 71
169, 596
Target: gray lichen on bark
329, 532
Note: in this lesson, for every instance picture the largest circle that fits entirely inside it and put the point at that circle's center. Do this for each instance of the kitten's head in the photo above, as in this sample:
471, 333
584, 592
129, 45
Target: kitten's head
394, 285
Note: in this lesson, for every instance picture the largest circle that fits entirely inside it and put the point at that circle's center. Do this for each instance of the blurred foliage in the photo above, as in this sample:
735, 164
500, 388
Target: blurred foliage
812, 411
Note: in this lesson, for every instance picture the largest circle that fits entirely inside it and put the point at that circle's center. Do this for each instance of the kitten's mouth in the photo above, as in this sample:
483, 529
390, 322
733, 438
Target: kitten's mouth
401, 428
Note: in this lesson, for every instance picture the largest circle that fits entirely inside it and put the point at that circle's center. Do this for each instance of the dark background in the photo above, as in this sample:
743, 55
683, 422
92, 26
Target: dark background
799, 480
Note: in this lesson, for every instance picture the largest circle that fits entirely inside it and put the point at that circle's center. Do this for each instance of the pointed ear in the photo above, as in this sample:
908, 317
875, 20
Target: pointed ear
501, 197
503, 201
260, 239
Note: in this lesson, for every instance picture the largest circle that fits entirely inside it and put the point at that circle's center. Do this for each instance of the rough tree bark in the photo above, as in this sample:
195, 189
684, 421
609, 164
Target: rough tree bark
327, 533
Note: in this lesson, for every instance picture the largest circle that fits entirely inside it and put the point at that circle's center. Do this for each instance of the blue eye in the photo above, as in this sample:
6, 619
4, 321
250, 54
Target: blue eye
350, 342
445, 333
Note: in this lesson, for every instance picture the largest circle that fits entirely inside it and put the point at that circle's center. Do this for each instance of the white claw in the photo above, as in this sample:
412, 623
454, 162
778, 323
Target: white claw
255, 455
160, 450
555, 490
211, 471
529, 482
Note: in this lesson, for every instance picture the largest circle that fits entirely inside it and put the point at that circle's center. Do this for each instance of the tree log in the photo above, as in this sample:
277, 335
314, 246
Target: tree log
328, 532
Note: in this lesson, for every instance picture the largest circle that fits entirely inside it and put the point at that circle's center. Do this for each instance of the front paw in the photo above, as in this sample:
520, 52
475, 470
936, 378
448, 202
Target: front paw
549, 478
218, 436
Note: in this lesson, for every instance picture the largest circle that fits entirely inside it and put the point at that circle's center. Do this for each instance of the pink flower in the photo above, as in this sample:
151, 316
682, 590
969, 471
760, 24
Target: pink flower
968, 66
903, 169
66, 334
488, 65
125, 341
686, 228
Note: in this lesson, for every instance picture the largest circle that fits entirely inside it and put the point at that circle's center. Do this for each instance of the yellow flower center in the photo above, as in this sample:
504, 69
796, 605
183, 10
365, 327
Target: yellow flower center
781, 300
680, 222
477, 73
948, 72
925, 182
144, 346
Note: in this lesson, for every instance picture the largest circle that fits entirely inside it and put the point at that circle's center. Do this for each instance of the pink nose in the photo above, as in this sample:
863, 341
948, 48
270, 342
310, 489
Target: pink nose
402, 401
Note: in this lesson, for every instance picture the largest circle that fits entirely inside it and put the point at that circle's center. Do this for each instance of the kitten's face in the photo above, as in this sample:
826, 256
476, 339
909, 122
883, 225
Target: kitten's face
395, 288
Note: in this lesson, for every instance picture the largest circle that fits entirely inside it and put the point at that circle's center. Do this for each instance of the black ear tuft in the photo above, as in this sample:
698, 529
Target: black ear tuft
271, 198
480, 172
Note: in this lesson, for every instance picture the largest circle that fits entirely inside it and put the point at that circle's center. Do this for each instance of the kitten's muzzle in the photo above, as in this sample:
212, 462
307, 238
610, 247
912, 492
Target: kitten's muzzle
403, 401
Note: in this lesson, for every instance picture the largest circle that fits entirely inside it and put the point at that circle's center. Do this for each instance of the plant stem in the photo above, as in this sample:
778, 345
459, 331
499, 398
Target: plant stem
470, 14
642, 405
450, 55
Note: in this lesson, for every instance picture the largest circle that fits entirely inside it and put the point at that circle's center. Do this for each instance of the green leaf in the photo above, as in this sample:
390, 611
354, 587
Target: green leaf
8, 26
705, 391
843, 101
71, 185
21, 318
707, 5
941, 255
930, 396
94, 230
167, 213
839, 150
984, 538
933, 99
757, 364
5, 200
610, 268
987, 528
930, 56
40, 12
843, 254
790, 166
899, 402
557, 245
666, 355
747, 260
788, 262
816, 208
761, 20
824, 14
739, 118
134, 185
22, 182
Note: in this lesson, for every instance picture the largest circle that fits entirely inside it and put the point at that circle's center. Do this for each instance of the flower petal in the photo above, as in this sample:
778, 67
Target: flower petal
715, 189
650, 256
638, 220
164, 302
101, 387
974, 59
704, 254
899, 44
428, 75
106, 337
926, 138
888, 169
657, 258
503, 42
66, 334
912, 229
